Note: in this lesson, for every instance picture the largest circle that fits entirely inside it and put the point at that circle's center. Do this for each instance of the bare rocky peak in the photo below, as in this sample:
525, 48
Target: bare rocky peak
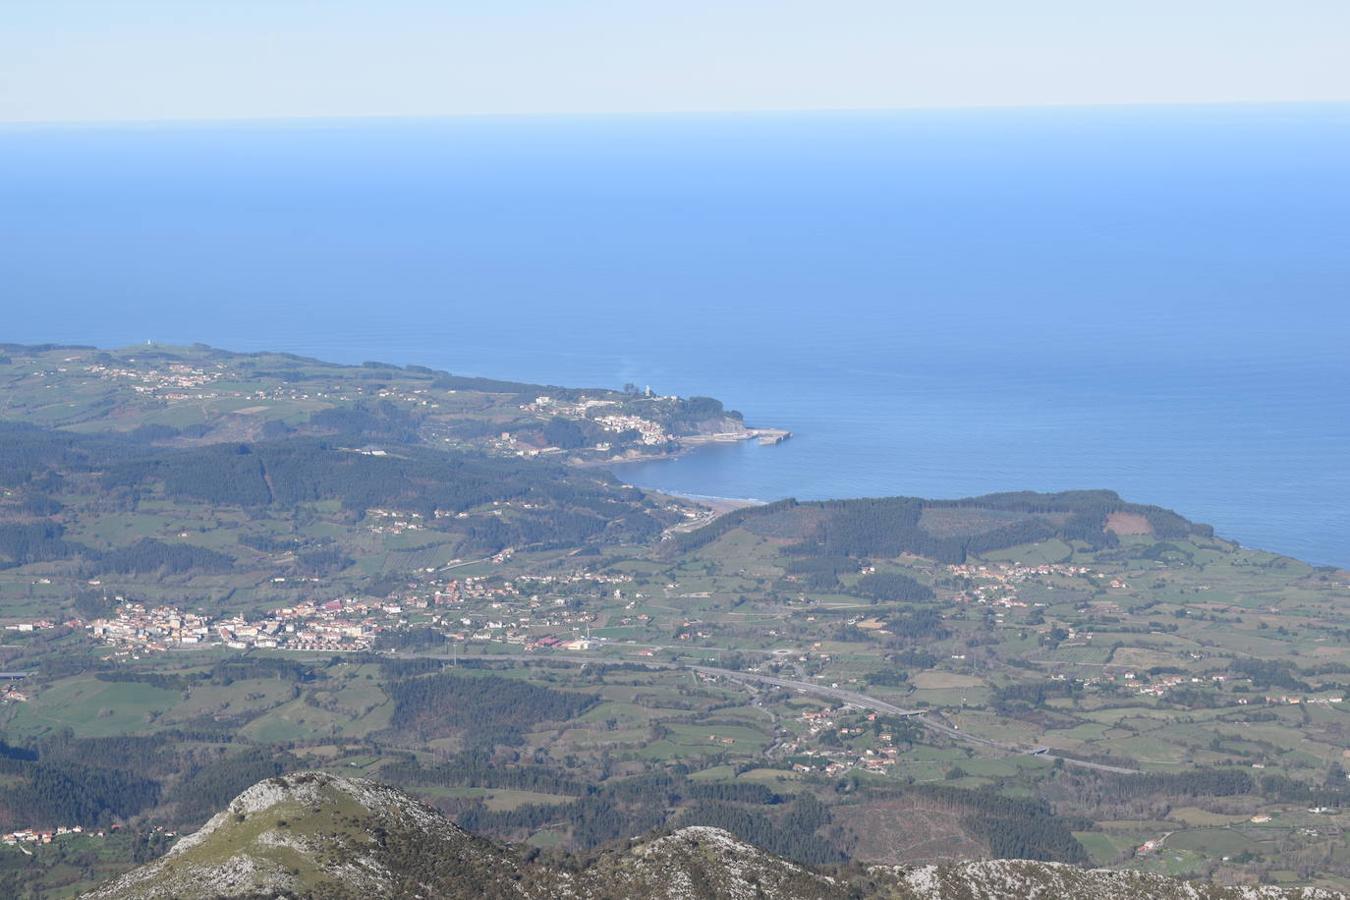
313, 834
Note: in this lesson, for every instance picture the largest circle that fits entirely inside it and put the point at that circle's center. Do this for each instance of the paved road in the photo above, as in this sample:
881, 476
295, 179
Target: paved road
853, 698
460, 565
865, 702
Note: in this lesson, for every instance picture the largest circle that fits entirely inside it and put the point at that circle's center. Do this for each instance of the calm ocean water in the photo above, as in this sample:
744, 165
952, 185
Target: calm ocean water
940, 304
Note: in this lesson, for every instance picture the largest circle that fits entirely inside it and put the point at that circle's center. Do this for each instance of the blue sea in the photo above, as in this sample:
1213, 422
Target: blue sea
935, 303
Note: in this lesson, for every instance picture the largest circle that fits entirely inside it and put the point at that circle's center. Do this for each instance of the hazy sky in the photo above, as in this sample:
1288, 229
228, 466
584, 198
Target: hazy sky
78, 60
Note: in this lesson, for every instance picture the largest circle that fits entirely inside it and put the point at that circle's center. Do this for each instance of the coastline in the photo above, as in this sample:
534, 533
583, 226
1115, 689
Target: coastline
767, 437
685, 444
705, 509
716, 506
719, 506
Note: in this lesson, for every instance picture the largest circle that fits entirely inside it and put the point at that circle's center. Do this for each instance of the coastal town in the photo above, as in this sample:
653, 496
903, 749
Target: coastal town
650, 433
535, 612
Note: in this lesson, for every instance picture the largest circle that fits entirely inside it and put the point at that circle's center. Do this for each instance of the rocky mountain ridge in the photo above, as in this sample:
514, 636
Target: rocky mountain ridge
317, 835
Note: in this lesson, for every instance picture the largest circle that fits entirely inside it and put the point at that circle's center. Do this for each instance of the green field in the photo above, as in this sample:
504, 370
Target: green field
1173, 654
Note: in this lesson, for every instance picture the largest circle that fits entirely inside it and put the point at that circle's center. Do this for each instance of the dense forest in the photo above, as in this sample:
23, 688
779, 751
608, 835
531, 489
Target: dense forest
65, 791
148, 555
791, 832
891, 526
556, 505
306, 470
629, 807
488, 709
33, 454
207, 788
1012, 827
29, 542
